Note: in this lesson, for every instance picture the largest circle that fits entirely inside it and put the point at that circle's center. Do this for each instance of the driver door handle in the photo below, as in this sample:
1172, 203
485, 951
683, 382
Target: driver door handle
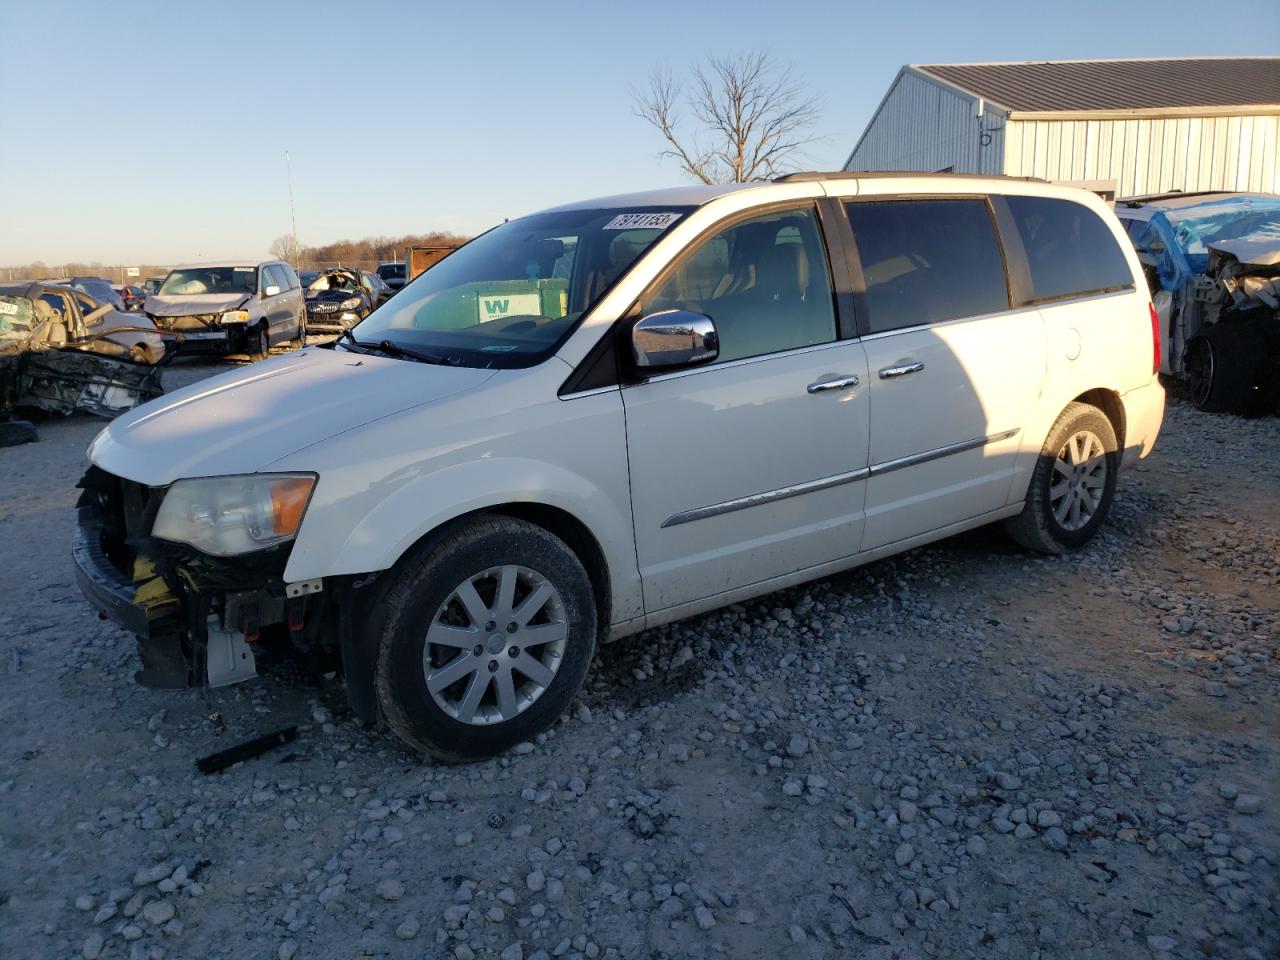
901, 369
837, 383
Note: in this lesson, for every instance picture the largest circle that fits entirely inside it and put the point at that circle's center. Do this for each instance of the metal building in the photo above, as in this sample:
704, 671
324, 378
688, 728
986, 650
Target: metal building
1122, 126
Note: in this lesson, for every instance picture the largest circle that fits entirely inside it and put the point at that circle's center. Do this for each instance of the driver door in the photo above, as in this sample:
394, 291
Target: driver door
754, 466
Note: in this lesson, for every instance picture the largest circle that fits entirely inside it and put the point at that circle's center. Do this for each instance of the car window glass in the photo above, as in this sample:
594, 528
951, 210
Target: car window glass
273, 277
763, 282
926, 261
286, 273
87, 304
1070, 251
56, 301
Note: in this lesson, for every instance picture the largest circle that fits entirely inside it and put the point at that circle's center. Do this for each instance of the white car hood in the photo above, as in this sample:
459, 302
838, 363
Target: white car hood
241, 422
188, 305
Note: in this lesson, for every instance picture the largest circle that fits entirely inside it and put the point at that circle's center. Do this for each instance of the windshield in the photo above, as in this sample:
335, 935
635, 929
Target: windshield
391, 271
507, 298
1197, 227
197, 280
333, 281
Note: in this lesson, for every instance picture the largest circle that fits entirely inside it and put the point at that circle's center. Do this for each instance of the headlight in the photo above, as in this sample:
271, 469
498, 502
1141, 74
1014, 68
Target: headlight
350, 303
235, 316
226, 516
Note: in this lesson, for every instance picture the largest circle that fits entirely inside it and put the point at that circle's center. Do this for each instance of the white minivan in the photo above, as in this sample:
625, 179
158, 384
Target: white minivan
618, 413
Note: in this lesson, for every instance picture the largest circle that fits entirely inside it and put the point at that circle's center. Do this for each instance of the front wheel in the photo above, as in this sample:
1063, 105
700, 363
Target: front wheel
486, 641
259, 342
1072, 485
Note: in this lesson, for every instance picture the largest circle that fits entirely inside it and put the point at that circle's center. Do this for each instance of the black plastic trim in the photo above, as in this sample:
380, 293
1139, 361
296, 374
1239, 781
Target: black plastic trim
102, 585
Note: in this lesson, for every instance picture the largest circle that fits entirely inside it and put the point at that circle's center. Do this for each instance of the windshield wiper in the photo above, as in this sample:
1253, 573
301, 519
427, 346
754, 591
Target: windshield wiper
389, 346
348, 335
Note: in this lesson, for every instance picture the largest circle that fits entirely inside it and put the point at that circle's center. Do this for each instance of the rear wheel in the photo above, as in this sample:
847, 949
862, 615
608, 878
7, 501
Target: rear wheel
301, 339
1073, 483
487, 639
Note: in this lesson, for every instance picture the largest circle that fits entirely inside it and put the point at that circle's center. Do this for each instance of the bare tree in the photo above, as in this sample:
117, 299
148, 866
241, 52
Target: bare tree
285, 248
752, 112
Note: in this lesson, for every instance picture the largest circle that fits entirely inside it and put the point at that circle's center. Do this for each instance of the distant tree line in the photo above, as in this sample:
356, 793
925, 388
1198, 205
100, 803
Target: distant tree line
370, 250
367, 252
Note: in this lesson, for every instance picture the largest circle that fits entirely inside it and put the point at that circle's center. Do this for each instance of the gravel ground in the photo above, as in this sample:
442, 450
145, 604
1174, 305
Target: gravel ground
966, 751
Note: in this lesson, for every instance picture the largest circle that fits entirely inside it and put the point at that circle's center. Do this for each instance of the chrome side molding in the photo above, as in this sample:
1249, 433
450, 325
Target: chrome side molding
812, 486
915, 459
769, 496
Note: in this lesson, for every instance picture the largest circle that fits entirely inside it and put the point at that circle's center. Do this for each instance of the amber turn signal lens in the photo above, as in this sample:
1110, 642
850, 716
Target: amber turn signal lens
288, 501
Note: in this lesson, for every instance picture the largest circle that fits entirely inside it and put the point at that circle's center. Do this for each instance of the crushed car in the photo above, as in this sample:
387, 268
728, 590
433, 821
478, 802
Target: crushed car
61, 351
337, 300
1213, 264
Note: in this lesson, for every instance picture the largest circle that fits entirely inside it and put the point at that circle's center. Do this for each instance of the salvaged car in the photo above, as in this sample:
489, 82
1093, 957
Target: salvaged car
231, 307
1213, 264
612, 415
392, 274
337, 299
62, 351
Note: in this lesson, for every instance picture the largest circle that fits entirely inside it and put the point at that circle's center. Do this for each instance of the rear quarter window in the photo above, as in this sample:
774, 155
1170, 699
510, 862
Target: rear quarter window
927, 261
1071, 252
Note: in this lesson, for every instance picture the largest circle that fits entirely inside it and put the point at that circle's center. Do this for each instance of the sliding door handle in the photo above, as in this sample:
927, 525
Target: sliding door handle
837, 383
901, 369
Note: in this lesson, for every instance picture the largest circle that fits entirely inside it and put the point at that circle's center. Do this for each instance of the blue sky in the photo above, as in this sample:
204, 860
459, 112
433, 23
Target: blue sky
155, 132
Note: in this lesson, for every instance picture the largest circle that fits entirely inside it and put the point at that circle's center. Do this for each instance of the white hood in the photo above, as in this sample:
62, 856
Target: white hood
190, 304
240, 422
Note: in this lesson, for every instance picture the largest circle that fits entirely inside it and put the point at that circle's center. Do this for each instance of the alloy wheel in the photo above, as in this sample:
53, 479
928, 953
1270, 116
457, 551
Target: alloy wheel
495, 644
1198, 363
1078, 481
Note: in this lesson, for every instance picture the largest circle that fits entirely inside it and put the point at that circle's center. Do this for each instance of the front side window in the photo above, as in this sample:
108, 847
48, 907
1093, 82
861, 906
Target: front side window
763, 282
194, 281
1070, 251
509, 297
927, 261
274, 276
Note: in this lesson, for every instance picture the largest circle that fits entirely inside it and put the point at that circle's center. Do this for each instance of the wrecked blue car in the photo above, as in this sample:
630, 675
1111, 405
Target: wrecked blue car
1213, 265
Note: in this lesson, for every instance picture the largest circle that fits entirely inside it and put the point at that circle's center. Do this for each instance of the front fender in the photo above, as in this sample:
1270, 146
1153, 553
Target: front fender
373, 502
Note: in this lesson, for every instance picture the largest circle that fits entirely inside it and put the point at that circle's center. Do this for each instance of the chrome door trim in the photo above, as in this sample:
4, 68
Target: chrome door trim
901, 369
839, 383
769, 496
915, 459
741, 362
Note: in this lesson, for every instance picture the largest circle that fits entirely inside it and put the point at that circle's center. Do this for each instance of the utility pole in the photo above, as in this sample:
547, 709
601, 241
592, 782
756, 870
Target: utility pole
293, 219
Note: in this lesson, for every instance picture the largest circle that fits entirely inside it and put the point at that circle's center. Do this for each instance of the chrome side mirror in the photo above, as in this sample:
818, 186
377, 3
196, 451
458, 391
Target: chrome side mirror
271, 291
673, 338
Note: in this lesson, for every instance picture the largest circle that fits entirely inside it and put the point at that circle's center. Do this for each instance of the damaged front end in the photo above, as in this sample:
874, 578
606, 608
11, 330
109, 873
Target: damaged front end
199, 619
70, 380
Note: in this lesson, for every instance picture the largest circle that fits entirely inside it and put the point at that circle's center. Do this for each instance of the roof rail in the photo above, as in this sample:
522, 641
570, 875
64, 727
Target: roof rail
810, 175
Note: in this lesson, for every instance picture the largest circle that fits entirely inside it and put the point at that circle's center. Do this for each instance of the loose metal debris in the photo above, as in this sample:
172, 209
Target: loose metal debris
215, 762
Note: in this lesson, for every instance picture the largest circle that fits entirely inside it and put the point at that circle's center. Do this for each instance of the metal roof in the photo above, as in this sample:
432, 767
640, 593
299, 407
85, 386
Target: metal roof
1123, 85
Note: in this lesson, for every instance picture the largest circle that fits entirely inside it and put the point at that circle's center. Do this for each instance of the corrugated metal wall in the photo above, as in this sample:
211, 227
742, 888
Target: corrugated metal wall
1148, 155
927, 126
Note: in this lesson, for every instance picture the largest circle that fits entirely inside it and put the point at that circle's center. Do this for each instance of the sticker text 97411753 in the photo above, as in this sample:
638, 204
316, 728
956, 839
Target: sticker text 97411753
641, 221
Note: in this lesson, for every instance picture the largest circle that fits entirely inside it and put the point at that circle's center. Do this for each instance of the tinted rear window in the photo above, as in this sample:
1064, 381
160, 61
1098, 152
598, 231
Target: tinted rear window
1070, 251
925, 261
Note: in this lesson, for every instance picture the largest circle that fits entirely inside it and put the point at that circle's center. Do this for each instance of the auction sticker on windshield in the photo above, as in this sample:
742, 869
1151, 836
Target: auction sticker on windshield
641, 221
509, 305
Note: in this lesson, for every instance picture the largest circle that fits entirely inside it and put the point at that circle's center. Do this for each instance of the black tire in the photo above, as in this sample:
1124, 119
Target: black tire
301, 338
259, 346
421, 588
15, 432
1223, 365
1038, 527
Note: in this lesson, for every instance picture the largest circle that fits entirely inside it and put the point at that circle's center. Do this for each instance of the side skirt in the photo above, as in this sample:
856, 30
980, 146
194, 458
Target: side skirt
751, 591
